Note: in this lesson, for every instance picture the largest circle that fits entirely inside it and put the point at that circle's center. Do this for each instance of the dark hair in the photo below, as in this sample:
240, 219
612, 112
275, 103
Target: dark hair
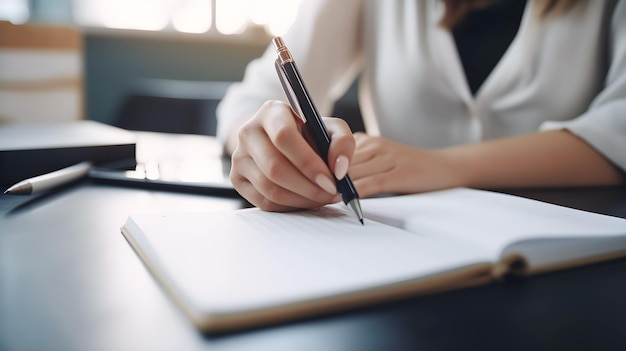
457, 9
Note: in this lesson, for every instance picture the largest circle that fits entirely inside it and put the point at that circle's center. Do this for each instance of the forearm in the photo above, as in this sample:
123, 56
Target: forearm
554, 158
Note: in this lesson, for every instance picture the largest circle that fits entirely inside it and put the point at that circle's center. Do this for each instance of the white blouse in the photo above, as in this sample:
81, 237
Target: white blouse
565, 72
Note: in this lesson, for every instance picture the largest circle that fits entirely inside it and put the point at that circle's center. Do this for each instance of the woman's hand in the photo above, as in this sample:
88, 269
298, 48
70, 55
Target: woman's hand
382, 166
275, 168
544, 159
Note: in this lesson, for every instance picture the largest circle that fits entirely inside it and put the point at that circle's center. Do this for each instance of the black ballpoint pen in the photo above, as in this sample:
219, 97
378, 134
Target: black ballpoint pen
303, 106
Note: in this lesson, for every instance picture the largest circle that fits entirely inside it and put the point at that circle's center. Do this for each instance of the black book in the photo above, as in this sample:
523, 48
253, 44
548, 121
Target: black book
28, 150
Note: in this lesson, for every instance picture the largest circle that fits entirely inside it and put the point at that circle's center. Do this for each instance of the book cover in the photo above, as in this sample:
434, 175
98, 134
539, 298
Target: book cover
31, 149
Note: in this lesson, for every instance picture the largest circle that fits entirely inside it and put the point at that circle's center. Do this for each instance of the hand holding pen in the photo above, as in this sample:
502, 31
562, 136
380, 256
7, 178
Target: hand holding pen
276, 169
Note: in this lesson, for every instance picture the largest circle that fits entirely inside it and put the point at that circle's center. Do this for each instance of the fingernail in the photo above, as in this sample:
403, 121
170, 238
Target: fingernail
341, 166
326, 184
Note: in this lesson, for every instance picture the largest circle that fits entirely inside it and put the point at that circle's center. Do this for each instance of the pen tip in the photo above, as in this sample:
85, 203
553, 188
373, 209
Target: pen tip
19, 189
361, 221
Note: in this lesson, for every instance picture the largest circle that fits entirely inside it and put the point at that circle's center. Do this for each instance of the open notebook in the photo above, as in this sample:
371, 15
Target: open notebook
244, 268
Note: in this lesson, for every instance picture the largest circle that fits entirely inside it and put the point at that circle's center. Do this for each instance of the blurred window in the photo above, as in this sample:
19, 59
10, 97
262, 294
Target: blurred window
14, 11
227, 17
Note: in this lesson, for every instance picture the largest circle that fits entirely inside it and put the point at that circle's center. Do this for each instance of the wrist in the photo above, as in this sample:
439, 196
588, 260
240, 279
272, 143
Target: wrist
458, 168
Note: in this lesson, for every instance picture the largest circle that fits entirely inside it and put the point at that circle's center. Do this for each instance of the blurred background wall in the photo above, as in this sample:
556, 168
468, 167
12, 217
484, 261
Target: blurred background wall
116, 64
177, 53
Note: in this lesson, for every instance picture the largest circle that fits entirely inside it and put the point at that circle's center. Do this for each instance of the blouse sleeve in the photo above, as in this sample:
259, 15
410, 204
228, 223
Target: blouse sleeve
325, 42
603, 126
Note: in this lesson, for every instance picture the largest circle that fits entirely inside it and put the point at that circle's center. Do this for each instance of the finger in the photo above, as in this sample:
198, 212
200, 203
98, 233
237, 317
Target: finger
366, 186
282, 129
266, 194
268, 169
376, 183
342, 146
268, 160
364, 148
250, 193
375, 165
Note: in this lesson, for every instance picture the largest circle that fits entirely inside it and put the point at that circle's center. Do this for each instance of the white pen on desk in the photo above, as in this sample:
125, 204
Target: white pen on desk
50, 180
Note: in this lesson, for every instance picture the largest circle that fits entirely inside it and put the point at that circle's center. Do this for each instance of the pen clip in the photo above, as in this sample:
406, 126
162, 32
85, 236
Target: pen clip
295, 107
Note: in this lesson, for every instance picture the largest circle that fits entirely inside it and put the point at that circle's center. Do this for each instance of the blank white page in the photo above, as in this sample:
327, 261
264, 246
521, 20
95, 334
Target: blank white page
496, 221
222, 262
